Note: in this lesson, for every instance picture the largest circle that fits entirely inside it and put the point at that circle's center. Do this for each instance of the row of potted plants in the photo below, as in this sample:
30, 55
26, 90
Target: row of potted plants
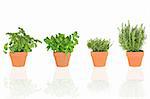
131, 39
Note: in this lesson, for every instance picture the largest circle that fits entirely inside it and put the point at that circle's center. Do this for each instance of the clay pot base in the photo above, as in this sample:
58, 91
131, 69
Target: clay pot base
99, 58
61, 59
135, 58
18, 58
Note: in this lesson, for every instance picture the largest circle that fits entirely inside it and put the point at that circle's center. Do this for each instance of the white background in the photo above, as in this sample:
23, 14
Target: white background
40, 79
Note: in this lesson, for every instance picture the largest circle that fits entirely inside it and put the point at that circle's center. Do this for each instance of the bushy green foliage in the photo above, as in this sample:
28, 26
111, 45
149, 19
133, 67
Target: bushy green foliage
131, 38
62, 43
99, 45
20, 42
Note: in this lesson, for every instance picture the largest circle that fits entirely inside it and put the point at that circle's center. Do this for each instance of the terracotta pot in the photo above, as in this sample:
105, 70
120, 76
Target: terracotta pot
99, 58
135, 58
62, 59
18, 58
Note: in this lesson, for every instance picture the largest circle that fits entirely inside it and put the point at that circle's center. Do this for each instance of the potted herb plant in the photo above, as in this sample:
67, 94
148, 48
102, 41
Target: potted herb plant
131, 39
19, 45
99, 52
62, 47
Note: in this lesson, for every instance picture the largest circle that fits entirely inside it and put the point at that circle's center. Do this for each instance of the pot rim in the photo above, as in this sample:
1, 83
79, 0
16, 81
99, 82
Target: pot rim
18, 52
61, 52
99, 52
134, 52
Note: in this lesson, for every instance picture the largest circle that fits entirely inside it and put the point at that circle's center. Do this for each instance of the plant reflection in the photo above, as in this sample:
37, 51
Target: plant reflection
18, 84
133, 87
62, 84
99, 80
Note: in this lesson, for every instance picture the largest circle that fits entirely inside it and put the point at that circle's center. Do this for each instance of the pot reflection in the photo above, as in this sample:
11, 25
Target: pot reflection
18, 84
62, 84
99, 80
133, 87
135, 73
18, 73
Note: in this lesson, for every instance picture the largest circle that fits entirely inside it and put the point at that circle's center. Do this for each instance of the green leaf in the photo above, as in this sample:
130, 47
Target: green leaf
5, 48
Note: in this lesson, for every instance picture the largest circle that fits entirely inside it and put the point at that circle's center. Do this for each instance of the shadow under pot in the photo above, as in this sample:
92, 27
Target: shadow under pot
99, 58
18, 58
135, 58
62, 59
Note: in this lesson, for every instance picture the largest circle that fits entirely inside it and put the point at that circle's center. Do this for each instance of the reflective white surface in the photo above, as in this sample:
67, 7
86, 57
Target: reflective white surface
41, 79
62, 83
